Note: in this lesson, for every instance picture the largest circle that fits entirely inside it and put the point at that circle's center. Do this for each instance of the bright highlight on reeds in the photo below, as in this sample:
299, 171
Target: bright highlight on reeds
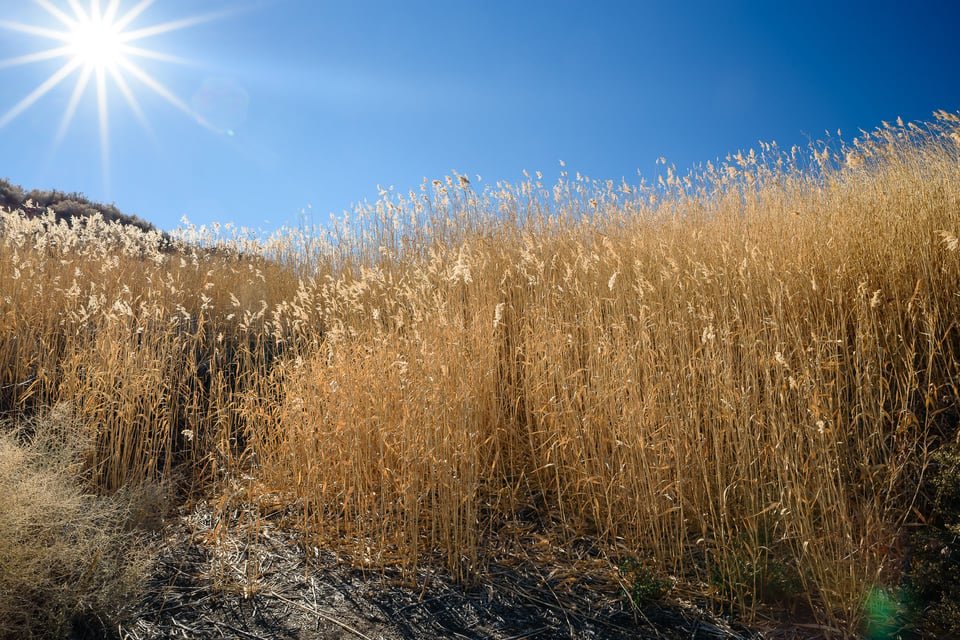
738, 374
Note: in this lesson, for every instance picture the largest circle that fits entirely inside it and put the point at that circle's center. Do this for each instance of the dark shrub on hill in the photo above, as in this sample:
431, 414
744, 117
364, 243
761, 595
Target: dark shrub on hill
11, 195
65, 205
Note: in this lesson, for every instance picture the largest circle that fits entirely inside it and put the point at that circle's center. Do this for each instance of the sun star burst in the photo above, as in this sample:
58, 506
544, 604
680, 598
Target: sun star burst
98, 43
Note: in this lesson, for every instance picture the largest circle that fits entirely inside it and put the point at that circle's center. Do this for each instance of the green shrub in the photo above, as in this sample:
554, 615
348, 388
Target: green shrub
642, 584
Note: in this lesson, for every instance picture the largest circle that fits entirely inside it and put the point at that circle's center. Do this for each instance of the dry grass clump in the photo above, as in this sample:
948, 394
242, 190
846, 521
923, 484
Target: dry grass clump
68, 560
738, 374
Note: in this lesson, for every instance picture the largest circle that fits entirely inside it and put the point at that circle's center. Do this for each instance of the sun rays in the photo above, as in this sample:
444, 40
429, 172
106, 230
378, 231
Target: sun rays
100, 44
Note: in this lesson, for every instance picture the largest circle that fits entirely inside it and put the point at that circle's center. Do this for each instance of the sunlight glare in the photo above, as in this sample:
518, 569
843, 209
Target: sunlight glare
96, 43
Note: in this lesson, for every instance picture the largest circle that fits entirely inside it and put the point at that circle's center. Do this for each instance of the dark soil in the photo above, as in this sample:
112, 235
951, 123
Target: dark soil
212, 584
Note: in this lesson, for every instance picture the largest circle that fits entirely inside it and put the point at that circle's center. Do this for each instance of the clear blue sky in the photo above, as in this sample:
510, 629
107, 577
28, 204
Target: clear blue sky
325, 100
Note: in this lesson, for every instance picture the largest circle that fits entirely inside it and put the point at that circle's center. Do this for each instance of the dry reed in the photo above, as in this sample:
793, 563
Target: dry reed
739, 372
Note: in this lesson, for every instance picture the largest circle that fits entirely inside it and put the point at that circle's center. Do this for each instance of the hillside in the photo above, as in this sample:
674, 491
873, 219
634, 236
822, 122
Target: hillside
735, 389
64, 205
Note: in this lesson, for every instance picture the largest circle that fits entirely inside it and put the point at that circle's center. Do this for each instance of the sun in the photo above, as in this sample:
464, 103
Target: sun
99, 43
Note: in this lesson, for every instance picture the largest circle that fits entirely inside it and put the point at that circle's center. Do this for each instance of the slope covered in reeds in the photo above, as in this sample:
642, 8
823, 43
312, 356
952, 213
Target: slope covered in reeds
736, 377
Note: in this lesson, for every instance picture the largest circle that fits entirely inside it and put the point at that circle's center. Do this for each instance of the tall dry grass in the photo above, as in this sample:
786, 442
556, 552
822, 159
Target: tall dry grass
739, 372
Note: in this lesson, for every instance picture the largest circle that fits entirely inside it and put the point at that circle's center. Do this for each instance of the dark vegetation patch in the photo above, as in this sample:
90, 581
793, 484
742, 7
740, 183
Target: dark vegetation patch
930, 592
65, 205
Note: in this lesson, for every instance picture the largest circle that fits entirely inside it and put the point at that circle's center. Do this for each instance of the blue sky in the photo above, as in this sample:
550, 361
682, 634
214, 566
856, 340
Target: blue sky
315, 102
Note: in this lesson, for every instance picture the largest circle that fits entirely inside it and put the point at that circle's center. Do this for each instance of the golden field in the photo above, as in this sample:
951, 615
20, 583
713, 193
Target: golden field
737, 376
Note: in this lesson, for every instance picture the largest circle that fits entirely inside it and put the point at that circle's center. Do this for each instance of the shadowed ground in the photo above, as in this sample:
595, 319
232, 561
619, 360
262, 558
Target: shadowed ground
200, 590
